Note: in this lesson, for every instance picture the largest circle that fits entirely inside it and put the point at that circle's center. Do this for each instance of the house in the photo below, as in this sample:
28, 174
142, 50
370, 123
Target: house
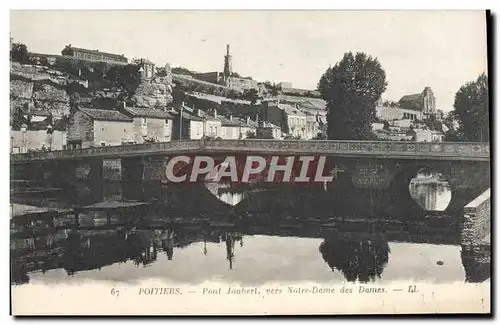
237, 128
420, 135
268, 130
98, 127
149, 124
212, 125
312, 126
186, 124
289, 118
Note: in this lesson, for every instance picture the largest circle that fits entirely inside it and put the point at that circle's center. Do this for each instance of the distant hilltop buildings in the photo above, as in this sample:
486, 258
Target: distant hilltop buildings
412, 107
228, 78
92, 54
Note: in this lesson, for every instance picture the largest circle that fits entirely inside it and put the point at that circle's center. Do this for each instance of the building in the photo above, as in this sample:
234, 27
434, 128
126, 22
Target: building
420, 135
150, 125
268, 130
234, 128
147, 69
81, 53
186, 124
424, 102
312, 127
228, 78
404, 123
97, 127
212, 125
396, 113
289, 118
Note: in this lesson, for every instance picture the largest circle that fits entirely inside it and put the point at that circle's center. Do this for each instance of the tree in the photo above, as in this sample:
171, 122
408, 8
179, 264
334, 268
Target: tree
251, 94
472, 110
19, 53
351, 89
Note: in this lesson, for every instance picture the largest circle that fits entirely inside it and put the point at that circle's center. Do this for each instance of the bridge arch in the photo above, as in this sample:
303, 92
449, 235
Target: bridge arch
423, 186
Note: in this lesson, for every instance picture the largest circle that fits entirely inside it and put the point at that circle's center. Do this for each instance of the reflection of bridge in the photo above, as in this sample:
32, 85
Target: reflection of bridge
345, 148
358, 255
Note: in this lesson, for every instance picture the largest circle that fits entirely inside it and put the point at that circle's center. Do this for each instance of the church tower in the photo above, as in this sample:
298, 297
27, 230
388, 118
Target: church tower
228, 69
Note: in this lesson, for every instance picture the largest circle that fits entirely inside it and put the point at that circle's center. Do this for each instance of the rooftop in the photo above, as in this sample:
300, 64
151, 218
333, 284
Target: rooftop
92, 51
291, 110
412, 97
147, 112
106, 115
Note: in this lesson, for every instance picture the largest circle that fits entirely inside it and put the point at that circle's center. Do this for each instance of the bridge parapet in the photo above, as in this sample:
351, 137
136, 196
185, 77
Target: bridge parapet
381, 149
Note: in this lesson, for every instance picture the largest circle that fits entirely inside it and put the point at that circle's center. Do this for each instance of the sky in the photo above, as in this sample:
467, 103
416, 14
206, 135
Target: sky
440, 49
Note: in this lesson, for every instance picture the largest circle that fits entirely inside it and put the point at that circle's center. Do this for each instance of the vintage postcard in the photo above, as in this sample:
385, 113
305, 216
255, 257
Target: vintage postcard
249, 162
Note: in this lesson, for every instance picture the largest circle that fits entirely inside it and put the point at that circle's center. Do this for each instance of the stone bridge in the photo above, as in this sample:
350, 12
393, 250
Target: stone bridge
367, 165
347, 148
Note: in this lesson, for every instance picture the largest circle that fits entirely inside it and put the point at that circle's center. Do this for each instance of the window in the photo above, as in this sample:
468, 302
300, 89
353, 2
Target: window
102, 129
124, 130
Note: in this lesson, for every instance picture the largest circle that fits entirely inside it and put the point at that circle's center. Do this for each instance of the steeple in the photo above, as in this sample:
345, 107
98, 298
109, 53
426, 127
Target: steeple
228, 70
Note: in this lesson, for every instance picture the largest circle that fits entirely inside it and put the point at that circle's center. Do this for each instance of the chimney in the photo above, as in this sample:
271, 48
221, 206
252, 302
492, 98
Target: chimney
248, 119
215, 113
124, 104
198, 112
231, 117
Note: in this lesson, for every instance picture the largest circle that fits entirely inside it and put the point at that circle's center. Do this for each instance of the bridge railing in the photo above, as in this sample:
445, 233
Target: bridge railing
402, 148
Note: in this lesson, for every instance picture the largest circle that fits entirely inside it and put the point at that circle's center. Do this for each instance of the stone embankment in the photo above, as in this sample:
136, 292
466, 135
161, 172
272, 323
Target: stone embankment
475, 238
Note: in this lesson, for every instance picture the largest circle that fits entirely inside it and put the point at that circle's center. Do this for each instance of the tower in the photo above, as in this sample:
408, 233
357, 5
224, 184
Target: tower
228, 69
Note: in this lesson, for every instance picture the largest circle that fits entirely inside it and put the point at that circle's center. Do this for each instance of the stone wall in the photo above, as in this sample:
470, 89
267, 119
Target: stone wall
476, 226
374, 175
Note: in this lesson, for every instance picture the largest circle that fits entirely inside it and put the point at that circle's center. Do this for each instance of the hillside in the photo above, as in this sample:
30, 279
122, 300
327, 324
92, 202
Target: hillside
55, 88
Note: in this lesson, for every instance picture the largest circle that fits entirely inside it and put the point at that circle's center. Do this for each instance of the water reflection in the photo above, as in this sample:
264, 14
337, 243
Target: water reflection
358, 260
187, 253
234, 245
431, 190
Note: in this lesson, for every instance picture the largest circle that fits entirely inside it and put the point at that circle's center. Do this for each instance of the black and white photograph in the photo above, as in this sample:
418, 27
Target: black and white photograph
249, 162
